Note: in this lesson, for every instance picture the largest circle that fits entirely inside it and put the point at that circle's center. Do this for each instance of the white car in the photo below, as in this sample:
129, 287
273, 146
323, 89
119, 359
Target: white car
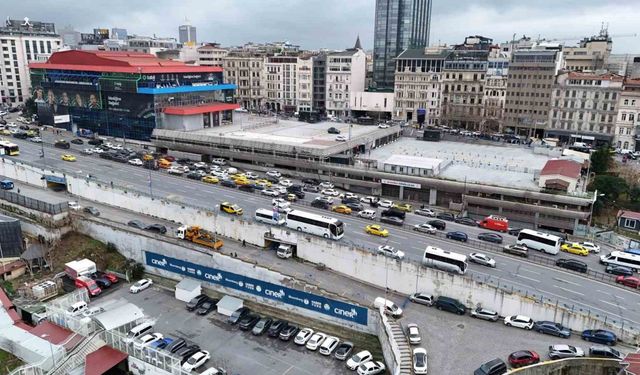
108, 145
196, 360
424, 228
286, 183
391, 252
303, 336
275, 174
280, 189
348, 196
12, 125
74, 206
315, 341
330, 192
383, 126
270, 193
140, 285
220, 174
329, 345
367, 214
3, 113
414, 334
385, 203
200, 165
326, 185
252, 175
482, 259
425, 212
368, 199
136, 162
218, 161
88, 151
147, 340
341, 138
98, 150
358, 359
117, 147
215, 168
419, 361
593, 248
371, 368
35, 140
518, 321
175, 170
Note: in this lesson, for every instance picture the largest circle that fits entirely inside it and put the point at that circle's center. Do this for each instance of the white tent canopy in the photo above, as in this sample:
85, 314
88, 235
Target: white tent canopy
119, 316
227, 305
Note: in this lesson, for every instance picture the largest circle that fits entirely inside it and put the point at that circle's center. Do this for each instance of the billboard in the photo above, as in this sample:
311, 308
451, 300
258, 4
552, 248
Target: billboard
129, 104
327, 306
61, 119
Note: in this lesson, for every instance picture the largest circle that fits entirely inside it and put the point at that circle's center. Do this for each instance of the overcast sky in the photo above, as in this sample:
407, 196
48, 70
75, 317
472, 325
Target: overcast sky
336, 23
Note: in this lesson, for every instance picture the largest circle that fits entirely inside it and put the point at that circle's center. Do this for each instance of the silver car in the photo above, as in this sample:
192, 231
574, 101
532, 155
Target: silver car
424, 228
422, 298
482, 259
414, 334
485, 314
565, 351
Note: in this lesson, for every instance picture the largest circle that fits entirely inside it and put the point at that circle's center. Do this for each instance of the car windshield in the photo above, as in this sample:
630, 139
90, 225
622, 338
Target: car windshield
356, 358
192, 360
420, 359
261, 323
139, 283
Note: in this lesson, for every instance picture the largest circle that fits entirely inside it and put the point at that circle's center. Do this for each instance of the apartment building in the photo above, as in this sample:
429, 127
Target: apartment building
584, 107
463, 89
628, 119
590, 54
495, 90
304, 73
319, 86
245, 69
345, 73
281, 83
418, 84
23, 41
211, 54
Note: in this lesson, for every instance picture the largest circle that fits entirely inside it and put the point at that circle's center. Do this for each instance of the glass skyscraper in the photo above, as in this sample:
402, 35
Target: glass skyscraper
400, 24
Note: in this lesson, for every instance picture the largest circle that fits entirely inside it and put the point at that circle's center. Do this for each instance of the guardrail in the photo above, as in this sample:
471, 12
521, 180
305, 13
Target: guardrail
33, 204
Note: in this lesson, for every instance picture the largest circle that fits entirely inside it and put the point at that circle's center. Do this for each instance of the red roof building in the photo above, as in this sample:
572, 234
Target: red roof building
103, 360
560, 174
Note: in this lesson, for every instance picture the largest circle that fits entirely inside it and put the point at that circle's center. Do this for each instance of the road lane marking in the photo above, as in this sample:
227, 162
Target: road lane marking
528, 278
566, 281
530, 271
609, 293
569, 290
613, 304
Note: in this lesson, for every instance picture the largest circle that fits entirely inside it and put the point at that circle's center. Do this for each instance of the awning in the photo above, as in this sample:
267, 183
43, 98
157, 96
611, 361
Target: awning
197, 109
103, 360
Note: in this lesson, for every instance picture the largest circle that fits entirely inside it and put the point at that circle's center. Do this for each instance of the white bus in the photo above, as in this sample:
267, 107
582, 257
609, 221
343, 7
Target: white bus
266, 216
445, 260
327, 227
621, 258
535, 240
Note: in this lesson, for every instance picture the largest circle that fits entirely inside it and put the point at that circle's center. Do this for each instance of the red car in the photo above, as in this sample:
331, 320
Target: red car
631, 281
169, 158
523, 358
109, 276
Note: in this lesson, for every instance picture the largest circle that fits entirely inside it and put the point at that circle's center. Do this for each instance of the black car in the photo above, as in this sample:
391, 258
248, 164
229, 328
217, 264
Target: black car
458, 236
272, 179
237, 315
438, 224
137, 224
466, 221
333, 130
572, 264
490, 237
196, 302
262, 326
394, 212
346, 200
159, 228
619, 270
514, 231
208, 306
392, 220
311, 181
21, 135
95, 142
180, 352
183, 161
102, 282
92, 210
277, 327
446, 216
247, 188
248, 321
450, 305
195, 175
493, 367
193, 349
106, 155
343, 350
319, 203
62, 144
228, 183
150, 164
176, 345
288, 332
77, 141
119, 158
355, 206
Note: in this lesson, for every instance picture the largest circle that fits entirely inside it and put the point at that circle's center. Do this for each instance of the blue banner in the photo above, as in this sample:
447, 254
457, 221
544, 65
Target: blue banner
320, 304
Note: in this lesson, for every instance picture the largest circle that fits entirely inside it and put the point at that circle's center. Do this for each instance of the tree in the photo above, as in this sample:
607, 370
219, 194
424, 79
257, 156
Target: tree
601, 160
611, 186
30, 107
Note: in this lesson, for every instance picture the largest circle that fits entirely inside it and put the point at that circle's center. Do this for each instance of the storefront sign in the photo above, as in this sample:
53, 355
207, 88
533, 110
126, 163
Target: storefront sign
61, 119
401, 183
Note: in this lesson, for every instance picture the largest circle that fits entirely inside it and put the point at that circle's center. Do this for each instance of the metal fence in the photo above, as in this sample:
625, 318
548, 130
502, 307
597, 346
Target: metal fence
33, 204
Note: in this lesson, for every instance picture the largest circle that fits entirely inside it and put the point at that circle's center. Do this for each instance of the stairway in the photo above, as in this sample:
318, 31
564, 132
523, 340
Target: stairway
77, 357
403, 345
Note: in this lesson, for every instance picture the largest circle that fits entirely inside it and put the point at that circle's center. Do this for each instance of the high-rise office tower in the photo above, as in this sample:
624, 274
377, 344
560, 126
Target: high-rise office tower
187, 34
399, 24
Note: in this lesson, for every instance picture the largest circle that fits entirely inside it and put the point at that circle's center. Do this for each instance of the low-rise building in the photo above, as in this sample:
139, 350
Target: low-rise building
411, 165
562, 175
628, 118
590, 54
377, 106
211, 54
629, 220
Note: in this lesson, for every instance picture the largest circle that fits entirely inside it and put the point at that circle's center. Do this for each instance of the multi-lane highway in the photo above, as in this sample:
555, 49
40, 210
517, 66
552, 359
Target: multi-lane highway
520, 274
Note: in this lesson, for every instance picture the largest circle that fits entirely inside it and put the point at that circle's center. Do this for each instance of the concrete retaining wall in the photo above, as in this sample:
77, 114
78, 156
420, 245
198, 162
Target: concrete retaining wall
572, 366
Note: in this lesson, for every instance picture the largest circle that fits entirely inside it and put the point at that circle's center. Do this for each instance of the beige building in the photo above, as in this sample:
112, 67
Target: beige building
304, 71
418, 84
345, 73
589, 55
280, 83
584, 107
495, 90
245, 69
211, 54
464, 77
628, 119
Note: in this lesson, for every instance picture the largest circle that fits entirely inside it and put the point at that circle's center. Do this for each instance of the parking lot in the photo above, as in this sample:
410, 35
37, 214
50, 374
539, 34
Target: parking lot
239, 352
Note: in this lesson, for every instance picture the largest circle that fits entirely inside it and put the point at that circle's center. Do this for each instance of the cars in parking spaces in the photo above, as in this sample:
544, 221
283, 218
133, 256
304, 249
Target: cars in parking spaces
162, 343
422, 298
425, 212
605, 352
214, 371
446, 216
343, 350
619, 270
420, 361
140, 285
518, 321
358, 359
458, 236
196, 360
367, 214
450, 304
276, 327
248, 321
552, 328
262, 326
303, 336
599, 336
485, 314
565, 351
102, 282
438, 224
413, 332
523, 358
630, 281
329, 345
519, 250
574, 248
288, 332
196, 302
315, 340
392, 220
240, 313
376, 230
187, 352
424, 228
493, 367
208, 306
371, 368
571, 264
490, 237
147, 340
482, 259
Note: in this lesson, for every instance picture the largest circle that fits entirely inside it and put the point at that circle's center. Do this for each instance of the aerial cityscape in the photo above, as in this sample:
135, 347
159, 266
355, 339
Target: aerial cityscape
371, 187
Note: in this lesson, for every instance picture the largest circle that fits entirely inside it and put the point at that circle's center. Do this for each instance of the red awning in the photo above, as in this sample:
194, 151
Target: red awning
103, 360
196, 109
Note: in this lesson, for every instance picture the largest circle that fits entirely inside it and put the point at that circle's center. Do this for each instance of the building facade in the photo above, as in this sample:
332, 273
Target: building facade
495, 90
628, 119
245, 70
23, 41
399, 24
304, 73
418, 84
211, 54
345, 73
187, 34
584, 107
319, 86
125, 94
281, 83
152, 45
589, 55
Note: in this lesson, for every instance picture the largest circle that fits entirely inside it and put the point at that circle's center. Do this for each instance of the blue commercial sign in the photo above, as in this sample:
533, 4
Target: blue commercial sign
323, 305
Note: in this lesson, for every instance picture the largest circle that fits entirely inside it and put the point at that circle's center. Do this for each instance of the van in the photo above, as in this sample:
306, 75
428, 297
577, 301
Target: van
77, 308
284, 251
495, 222
6, 184
389, 307
450, 305
266, 216
138, 331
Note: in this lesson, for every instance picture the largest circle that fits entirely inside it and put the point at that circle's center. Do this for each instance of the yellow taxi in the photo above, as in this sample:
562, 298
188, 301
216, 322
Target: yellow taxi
229, 208
403, 207
242, 181
5, 132
341, 209
67, 157
292, 197
376, 230
238, 175
147, 157
263, 182
575, 248
210, 179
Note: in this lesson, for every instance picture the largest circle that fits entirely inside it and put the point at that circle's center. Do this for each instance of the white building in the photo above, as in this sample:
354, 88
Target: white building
211, 54
345, 74
628, 120
152, 45
281, 83
412, 165
23, 41
305, 83
373, 104
495, 89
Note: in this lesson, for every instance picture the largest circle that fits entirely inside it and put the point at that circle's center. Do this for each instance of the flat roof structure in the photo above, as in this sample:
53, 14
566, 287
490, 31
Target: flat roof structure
413, 161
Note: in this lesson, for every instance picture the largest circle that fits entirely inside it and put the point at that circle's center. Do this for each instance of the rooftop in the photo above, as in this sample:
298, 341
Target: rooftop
629, 214
421, 53
595, 76
567, 168
413, 161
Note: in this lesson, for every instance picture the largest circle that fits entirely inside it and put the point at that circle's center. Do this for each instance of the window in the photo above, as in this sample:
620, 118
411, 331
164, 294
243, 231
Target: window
630, 223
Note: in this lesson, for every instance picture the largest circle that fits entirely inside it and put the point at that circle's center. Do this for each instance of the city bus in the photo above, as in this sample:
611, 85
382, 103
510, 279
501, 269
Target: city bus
319, 225
8, 148
445, 260
621, 258
535, 240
